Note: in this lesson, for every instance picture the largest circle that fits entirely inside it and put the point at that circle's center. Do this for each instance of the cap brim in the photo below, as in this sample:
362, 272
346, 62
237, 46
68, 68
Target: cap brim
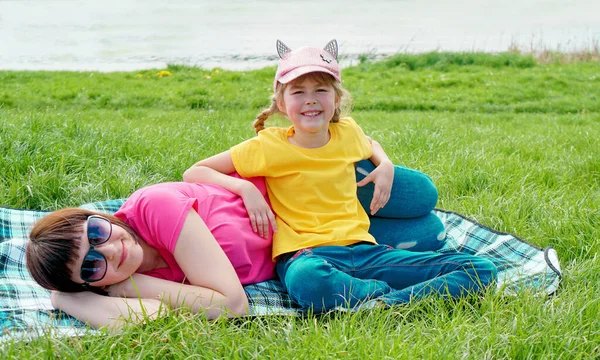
297, 72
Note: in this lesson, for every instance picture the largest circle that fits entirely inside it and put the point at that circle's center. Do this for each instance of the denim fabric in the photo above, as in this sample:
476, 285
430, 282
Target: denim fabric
329, 276
425, 233
406, 221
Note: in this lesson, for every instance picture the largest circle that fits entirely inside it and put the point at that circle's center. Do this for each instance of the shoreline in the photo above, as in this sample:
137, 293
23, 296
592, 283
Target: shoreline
249, 63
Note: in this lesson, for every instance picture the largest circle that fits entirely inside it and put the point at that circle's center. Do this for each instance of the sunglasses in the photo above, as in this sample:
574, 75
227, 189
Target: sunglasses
94, 264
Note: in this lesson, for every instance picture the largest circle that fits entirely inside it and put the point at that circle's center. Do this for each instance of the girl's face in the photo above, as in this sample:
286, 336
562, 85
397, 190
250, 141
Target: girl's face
123, 255
309, 104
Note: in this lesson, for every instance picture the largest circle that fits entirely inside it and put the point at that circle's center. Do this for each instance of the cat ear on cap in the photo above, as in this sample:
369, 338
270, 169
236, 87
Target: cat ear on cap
332, 48
282, 49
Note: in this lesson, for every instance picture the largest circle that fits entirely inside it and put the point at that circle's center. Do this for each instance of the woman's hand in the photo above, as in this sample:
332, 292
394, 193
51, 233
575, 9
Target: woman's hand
383, 178
259, 211
99, 310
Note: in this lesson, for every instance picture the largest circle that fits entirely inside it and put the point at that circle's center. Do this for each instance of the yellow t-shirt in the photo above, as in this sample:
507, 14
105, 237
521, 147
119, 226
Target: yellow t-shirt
312, 191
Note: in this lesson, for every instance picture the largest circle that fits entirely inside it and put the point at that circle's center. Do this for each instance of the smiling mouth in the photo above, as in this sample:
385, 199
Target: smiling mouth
312, 113
123, 253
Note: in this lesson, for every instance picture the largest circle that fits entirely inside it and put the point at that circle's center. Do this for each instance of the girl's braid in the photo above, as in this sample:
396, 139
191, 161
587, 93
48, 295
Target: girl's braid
259, 123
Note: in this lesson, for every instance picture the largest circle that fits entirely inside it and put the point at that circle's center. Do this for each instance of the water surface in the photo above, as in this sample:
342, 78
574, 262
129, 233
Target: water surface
111, 35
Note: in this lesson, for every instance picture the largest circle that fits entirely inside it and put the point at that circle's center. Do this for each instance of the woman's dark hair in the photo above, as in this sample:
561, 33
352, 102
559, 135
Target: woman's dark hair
54, 245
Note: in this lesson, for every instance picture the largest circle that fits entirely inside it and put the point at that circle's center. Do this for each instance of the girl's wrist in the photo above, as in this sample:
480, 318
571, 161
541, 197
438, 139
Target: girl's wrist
242, 187
385, 162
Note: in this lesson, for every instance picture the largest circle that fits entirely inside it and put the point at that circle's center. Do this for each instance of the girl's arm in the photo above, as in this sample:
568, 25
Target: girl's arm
98, 310
214, 289
382, 177
379, 156
213, 171
222, 163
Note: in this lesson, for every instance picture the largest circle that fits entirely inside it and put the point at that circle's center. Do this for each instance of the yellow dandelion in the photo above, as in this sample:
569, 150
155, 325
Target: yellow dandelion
140, 76
163, 73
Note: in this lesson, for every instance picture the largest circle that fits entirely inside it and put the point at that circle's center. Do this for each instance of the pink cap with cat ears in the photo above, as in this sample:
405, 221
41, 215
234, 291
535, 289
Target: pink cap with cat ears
295, 63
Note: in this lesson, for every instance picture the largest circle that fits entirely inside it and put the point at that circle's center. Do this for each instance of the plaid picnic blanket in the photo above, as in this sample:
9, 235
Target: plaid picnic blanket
26, 310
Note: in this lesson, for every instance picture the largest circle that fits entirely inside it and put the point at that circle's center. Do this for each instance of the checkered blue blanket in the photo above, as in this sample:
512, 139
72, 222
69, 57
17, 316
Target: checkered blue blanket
25, 308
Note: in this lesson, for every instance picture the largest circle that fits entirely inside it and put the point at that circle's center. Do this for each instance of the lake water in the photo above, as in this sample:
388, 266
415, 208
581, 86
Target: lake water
109, 35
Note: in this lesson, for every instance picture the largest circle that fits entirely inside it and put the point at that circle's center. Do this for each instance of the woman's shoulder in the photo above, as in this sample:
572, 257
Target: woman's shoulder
157, 194
152, 189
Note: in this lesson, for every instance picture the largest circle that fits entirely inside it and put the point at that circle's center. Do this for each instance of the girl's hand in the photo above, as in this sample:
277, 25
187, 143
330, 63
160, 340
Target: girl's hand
383, 178
259, 211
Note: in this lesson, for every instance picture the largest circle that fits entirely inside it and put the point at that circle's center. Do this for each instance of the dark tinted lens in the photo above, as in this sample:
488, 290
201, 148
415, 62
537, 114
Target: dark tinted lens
98, 230
93, 267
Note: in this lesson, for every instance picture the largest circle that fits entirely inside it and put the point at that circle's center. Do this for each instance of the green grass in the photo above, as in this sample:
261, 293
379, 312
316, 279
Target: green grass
509, 141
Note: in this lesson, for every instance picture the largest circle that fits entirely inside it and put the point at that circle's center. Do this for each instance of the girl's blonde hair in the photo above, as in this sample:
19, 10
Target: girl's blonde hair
342, 95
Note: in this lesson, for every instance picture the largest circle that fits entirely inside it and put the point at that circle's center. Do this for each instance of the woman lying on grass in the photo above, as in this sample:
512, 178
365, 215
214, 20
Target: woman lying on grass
168, 234
183, 245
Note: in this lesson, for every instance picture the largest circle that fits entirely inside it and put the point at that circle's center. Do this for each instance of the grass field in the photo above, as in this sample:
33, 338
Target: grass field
509, 141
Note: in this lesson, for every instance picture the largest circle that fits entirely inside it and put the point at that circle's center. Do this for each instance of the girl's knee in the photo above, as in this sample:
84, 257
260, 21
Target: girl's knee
314, 283
485, 270
308, 279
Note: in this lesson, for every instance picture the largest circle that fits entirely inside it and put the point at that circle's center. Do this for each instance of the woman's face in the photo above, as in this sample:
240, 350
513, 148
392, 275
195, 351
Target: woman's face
123, 255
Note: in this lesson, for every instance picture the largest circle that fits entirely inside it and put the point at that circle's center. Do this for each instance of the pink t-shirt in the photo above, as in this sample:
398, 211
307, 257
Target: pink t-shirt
157, 214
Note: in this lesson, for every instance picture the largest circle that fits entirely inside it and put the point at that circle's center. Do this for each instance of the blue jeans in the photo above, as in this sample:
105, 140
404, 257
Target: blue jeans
406, 221
325, 277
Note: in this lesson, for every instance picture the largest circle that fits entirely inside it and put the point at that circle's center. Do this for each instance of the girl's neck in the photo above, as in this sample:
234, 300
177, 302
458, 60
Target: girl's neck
310, 140
151, 260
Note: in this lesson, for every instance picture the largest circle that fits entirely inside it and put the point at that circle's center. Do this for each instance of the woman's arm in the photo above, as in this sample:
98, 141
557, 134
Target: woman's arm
205, 264
214, 285
98, 310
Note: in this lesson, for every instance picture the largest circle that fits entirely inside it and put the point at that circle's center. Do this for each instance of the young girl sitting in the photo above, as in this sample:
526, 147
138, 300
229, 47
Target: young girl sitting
325, 255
